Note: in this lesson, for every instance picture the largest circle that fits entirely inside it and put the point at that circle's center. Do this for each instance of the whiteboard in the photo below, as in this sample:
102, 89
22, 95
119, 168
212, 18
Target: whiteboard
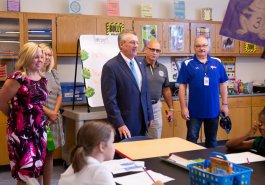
96, 50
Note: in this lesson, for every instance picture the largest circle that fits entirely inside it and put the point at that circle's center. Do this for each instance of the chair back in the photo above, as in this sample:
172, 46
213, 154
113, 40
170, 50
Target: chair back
136, 138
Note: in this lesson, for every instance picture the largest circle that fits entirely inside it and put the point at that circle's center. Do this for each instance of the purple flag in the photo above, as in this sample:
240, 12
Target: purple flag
245, 20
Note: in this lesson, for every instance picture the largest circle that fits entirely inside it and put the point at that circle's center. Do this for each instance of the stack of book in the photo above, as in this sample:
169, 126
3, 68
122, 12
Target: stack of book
179, 9
3, 72
113, 8
146, 10
7, 53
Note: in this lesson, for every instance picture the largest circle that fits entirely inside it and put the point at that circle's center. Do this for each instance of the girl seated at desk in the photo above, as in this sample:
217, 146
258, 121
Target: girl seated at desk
247, 141
94, 145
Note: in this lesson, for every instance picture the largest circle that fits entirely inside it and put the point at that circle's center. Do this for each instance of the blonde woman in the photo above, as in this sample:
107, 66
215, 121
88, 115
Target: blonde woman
51, 108
25, 90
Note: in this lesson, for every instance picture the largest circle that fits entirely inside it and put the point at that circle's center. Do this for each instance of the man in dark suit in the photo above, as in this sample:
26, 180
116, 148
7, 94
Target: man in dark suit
125, 90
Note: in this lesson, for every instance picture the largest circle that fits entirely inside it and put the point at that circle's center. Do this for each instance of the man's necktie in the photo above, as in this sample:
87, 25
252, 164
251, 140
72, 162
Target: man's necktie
134, 71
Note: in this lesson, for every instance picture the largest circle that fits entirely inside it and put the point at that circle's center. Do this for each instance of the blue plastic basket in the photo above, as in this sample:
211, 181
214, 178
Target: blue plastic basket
198, 176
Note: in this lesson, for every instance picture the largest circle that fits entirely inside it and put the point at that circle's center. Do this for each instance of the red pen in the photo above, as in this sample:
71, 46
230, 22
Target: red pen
248, 161
148, 174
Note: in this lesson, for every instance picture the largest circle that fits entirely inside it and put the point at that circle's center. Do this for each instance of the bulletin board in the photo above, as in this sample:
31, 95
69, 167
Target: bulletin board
96, 50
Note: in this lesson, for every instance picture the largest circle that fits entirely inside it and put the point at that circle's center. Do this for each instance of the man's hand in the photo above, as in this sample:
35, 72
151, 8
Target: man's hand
169, 115
124, 131
224, 109
150, 122
185, 113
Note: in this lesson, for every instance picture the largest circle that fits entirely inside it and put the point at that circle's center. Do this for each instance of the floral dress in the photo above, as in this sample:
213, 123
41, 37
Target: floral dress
26, 130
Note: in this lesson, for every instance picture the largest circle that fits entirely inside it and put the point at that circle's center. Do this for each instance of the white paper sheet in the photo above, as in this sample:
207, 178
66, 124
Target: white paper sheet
124, 165
142, 178
244, 157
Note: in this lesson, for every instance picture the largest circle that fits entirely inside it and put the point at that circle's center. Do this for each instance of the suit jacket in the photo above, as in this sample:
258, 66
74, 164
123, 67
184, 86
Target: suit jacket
125, 104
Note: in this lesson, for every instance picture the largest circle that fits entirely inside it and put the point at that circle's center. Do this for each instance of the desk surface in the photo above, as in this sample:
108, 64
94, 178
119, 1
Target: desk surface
81, 113
154, 148
181, 175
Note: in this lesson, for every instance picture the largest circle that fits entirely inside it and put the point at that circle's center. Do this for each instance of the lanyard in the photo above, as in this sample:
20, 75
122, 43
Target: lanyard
204, 69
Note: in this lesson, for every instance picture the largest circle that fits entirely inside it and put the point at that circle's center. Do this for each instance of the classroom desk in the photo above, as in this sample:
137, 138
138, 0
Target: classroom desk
154, 148
181, 175
73, 120
80, 114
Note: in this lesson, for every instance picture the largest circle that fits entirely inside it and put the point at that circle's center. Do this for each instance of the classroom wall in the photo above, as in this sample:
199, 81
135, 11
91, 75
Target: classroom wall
247, 68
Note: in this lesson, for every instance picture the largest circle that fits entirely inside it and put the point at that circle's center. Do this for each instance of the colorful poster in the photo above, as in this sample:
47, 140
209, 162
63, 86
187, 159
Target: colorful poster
228, 43
113, 8
245, 21
114, 28
176, 38
204, 31
149, 32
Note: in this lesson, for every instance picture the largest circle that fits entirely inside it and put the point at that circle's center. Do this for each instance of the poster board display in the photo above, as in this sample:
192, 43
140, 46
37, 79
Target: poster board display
96, 50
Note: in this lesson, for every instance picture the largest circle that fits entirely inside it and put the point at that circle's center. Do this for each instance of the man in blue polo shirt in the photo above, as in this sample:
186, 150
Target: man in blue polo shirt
205, 77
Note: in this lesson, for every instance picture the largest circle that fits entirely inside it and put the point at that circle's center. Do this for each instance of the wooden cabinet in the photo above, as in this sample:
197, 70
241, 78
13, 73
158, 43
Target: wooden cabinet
177, 128
225, 45
258, 103
247, 49
176, 38
11, 38
240, 114
146, 30
41, 28
180, 128
4, 160
69, 29
206, 29
167, 127
219, 45
113, 25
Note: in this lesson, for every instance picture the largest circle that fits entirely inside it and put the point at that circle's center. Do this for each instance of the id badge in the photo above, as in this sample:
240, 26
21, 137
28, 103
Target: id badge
206, 81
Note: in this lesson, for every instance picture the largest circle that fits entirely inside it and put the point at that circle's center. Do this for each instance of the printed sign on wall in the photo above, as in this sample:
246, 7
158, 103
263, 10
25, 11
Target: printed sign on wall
114, 28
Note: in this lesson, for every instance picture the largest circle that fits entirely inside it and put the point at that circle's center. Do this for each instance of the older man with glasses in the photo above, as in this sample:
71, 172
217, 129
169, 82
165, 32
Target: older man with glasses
125, 90
205, 77
159, 86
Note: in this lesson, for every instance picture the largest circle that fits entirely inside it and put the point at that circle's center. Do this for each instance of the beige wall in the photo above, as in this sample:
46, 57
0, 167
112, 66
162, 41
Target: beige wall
247, 68
130, 8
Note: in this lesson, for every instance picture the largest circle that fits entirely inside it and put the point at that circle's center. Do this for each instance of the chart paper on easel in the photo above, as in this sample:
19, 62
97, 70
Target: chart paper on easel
96, 50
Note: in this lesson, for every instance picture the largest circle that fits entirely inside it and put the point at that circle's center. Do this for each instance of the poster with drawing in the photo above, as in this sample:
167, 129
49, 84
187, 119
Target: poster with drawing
228, 43
149, 32
177, 37
245, 21
96, 50
204, 31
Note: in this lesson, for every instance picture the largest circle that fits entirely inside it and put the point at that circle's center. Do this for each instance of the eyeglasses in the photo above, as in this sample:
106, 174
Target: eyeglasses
201, 46
155, 50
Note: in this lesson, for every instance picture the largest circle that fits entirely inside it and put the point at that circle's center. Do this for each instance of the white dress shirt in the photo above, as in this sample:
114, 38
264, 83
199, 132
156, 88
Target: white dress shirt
94, 173
137, 69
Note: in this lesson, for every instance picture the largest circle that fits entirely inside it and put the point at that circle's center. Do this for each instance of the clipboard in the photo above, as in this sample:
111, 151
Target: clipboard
178, 161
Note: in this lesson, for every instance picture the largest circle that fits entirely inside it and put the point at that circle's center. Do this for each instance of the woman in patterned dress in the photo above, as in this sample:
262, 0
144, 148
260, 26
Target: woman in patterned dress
51, 109
21, 100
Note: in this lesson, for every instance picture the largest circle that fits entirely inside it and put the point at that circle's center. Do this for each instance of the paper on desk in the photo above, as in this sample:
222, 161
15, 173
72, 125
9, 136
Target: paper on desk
124, 165
244, 157
142, 178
